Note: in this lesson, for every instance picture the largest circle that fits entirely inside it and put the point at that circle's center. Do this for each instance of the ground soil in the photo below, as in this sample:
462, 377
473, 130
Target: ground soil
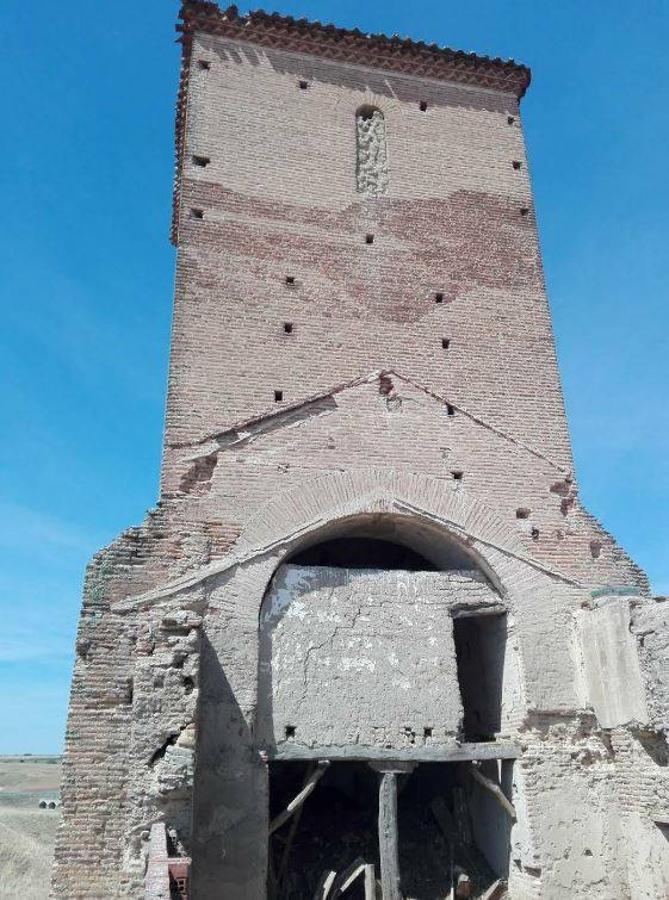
27, 833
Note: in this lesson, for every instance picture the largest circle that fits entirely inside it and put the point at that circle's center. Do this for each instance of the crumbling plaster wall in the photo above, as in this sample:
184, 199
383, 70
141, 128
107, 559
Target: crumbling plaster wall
612, 673
576, 845
161, 759
231, 782
650, 626
230, 794
332, 668
641, 779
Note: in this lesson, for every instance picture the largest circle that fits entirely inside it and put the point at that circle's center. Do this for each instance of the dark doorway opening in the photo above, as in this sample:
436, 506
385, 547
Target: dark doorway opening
336, 825
448, 828
480, 647
384, 541
363, 553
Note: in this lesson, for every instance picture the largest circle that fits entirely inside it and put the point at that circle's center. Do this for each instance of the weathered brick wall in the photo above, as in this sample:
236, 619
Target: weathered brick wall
278, 198
390, 421
454, 258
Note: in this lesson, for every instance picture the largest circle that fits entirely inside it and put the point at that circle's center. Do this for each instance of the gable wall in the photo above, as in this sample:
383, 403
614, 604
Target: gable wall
389, 422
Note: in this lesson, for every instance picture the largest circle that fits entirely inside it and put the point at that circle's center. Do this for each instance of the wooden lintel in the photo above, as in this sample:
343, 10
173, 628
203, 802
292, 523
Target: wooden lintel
464, 611
290, 750
398, 766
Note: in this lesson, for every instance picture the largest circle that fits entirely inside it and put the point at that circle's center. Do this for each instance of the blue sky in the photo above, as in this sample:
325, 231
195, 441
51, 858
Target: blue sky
86, 278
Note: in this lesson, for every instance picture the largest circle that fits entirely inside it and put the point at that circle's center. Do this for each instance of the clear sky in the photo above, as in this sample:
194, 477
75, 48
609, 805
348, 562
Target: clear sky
86, 278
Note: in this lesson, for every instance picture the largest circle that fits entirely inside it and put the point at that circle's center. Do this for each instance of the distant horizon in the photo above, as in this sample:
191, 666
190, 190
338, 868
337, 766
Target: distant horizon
32, 755
88, 282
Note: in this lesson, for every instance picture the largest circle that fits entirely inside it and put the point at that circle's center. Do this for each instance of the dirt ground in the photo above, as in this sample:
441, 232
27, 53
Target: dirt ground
27, 833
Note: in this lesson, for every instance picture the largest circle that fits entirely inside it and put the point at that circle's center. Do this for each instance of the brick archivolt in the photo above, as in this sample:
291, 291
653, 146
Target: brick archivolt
296, 515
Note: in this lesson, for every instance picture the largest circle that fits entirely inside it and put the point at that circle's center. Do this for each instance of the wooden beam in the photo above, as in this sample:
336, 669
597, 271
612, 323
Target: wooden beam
347, 877
453, 752
370, 882
495, 790
299, 799
324, 884
444, 819
494, 891
288, 840
388, 842
484, 609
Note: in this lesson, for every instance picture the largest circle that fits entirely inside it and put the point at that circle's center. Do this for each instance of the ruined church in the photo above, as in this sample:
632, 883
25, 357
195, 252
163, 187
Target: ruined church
368, 643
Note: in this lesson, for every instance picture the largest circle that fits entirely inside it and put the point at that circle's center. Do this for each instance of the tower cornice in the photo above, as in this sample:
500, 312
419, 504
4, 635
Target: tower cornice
379, 51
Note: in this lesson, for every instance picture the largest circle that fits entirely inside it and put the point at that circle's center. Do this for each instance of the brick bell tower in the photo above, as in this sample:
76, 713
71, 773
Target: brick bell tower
368, 638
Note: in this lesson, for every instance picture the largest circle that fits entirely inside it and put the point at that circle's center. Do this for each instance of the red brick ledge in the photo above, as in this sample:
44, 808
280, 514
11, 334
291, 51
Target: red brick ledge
352, 45
327, 41
165, 875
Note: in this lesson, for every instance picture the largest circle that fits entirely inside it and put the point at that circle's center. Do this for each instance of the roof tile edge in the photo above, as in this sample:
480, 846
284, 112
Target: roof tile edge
331, 42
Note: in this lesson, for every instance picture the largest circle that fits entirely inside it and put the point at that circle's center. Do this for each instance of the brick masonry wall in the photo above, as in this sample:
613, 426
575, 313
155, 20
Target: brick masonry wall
278, 198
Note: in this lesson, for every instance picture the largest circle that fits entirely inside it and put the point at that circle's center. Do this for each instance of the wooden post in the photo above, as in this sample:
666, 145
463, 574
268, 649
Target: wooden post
388, 842
495, 790
370, 882
388, 837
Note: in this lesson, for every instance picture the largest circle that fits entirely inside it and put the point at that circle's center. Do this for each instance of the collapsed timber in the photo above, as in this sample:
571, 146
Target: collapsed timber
389, 828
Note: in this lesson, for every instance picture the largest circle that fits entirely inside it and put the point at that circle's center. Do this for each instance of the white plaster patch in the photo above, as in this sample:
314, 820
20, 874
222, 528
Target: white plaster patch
334, 667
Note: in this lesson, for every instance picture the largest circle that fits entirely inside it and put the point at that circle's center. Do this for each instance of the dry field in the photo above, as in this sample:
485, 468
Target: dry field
27, 833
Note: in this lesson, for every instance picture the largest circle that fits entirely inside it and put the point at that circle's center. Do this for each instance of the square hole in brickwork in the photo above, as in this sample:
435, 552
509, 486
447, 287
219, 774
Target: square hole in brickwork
290, 279
517, 164
535, 534
423, 105
438, 297
197, 213
445, 343
427, 731
278, 396
524, 210
450, 410
288, 327
201, 161
304, 85
203, 64
510, 120
369, 238
290, 731
522, 512
457, 475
